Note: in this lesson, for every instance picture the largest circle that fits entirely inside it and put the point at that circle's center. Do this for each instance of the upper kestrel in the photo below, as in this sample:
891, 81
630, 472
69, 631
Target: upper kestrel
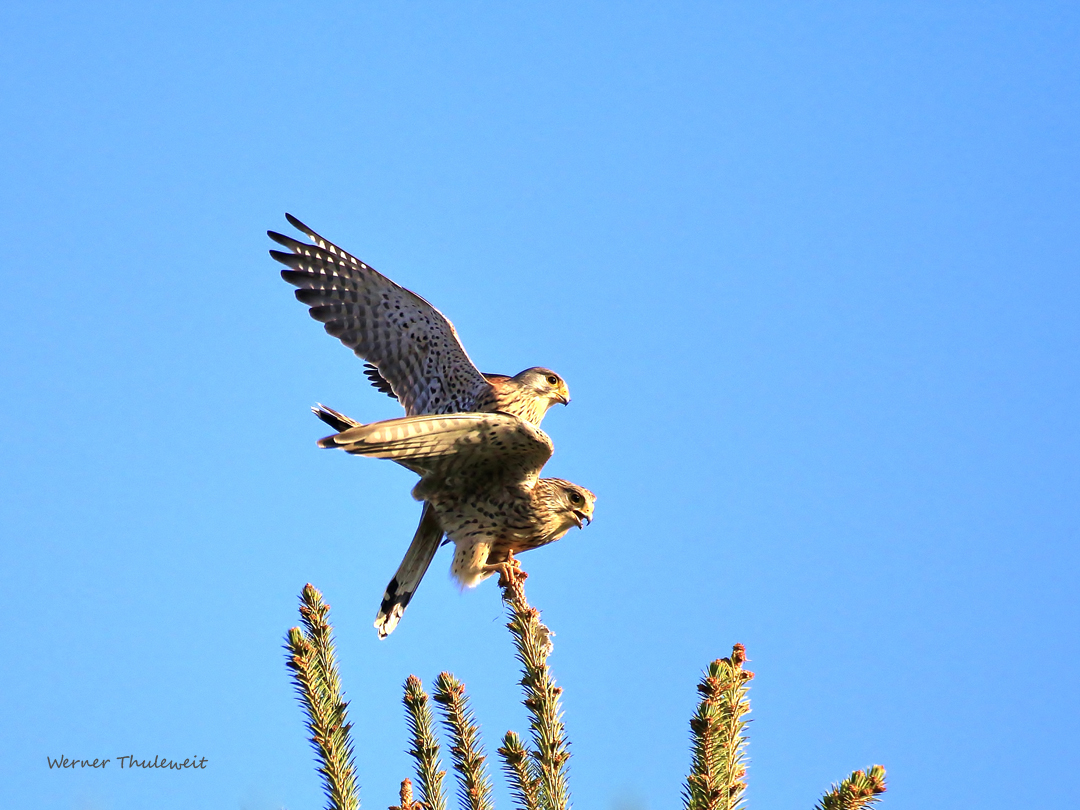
410, 346
414, 355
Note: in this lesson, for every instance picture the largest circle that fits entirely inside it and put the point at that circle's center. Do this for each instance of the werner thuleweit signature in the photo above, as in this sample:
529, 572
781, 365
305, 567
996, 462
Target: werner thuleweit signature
132, 761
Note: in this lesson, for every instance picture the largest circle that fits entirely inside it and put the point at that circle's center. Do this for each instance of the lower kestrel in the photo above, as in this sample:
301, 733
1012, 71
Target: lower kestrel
479, 473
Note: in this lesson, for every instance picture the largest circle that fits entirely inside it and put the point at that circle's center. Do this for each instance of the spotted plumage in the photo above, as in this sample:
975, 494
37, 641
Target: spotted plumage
480, 474
414, 355
412, 350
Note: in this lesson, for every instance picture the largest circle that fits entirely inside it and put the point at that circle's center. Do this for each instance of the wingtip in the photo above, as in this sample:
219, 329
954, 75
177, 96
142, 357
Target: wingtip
300, 226
288, 259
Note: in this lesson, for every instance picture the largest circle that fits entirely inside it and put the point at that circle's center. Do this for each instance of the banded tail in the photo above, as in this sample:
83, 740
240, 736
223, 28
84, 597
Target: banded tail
412, 569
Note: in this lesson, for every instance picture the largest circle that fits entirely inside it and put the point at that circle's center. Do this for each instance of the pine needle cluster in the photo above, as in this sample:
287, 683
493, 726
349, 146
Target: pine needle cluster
540, 778
520, 771
861, 789
405, 798
718, 760
537, 772
474, 786
313, 664
537, 769
424, 745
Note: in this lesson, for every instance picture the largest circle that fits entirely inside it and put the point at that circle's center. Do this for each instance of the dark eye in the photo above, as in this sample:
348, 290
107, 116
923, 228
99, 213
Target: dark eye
575, 498
552, 379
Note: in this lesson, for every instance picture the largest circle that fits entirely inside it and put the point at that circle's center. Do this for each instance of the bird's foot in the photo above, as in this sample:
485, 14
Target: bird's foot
510, 572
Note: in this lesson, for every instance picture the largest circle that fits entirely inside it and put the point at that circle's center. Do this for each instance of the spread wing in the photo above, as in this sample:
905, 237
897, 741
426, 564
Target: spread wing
412, 345
372, 373
492, 449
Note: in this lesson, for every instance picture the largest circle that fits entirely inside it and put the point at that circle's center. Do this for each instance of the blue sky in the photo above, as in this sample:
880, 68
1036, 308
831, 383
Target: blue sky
810, 271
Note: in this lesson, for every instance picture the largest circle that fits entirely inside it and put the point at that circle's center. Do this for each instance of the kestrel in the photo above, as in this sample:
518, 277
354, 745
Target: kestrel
412, 348
479, 472
413, 354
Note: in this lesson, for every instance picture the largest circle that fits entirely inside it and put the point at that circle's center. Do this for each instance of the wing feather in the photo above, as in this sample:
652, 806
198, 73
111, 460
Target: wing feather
504, 450
411, 344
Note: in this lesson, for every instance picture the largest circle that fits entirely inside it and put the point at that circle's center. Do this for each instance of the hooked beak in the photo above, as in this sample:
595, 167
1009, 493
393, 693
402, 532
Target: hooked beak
563, 398
579, 517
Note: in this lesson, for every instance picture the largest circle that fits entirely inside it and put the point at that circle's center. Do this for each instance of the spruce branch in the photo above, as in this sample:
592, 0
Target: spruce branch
861, 789
520, 772
538, 772
424, 746
318, 687
532, 639
474, 787
406, 798
717, 730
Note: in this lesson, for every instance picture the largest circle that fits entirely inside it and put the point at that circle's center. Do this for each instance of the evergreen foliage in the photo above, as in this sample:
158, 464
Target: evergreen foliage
861, 789
537, 773
551, 750
466, 751
718, 761
406, 801
520, 770
425, 746
318, 687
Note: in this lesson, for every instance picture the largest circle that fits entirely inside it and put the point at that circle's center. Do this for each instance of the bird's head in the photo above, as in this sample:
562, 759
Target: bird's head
546, 383
573, 504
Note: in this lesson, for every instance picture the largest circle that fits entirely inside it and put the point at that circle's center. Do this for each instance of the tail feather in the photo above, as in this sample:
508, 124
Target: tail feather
338, 421
412, 569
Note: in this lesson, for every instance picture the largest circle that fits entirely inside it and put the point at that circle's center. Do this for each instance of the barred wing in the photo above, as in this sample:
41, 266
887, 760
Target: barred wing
413, 346
472, 449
